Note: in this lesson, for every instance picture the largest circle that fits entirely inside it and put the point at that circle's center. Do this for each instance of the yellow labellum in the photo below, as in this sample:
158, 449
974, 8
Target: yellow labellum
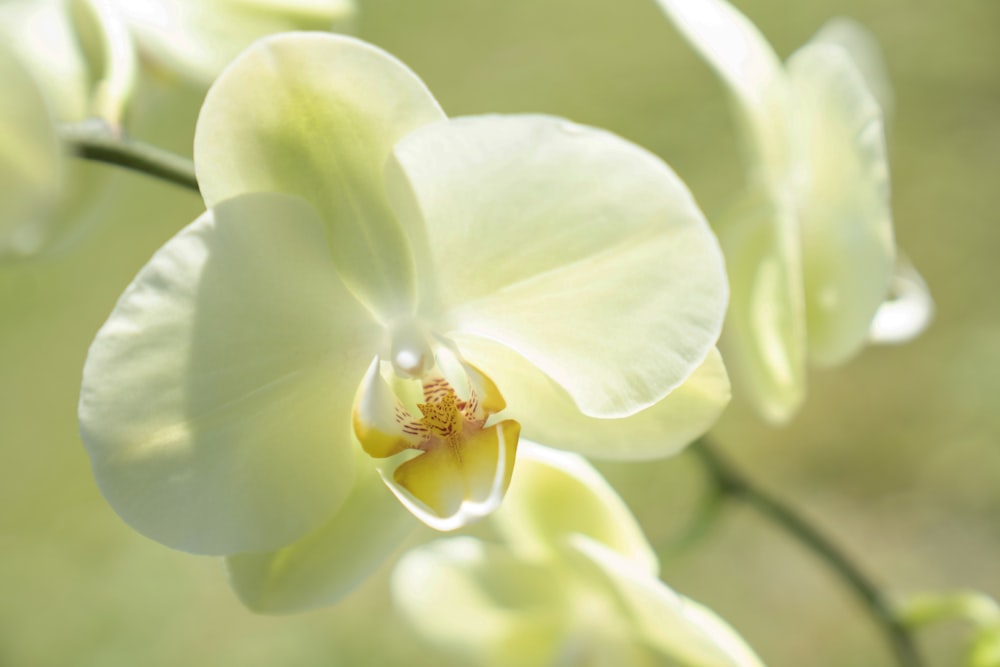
462, 466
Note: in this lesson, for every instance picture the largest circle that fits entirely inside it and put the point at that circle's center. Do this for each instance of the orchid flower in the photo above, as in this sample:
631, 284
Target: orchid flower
196, 39
810, 246
60, 61
572, 582
377, 302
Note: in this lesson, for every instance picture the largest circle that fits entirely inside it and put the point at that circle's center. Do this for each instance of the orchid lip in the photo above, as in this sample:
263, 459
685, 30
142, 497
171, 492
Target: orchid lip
431, 436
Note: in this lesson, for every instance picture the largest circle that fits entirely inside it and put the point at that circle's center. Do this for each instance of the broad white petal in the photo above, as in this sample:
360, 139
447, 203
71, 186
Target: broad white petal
843, 196
751, 71
582, 252
548, 415
328, 563
669, 623
31, 161
216, 400
555, 495
764, 340
482, 602
316, 115
908, 310
198, 38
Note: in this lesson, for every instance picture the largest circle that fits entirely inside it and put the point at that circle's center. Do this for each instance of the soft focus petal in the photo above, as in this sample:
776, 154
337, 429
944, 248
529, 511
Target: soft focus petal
198, 38
864, 50
30, 160
39, 32
843, 193
555, 495
317, 115
547, 413
331, 561
908, 310
669, 623
107, 45
482, 602
581, 251
764, 339
216, 400
747, 64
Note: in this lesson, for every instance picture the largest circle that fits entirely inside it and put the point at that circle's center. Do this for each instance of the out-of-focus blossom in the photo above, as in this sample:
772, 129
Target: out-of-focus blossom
376, 286
809, 246
572, 582
60, 61
198, 38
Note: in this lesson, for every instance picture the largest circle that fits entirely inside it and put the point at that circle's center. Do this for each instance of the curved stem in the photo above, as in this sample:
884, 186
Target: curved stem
95, 140
731, 482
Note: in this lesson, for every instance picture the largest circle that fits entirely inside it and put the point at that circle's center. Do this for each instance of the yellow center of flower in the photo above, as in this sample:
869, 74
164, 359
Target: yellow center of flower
461, 463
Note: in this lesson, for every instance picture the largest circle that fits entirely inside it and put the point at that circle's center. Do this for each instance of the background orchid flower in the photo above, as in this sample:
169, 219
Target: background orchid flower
377, 287
60, 61
197, 39
810, 246
572, 582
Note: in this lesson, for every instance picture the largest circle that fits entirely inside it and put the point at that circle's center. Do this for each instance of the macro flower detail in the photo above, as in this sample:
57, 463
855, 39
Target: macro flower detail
375, 305
459, 459
809, 245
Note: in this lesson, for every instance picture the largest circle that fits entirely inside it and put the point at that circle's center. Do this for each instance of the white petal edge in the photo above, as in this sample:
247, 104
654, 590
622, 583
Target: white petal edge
216, 399
330, 562
842, 187
316, 115
750, 69
581, 251
548, 415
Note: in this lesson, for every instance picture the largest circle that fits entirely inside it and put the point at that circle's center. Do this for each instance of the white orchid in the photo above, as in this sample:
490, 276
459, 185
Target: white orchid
810, 247
375, 286
571, 582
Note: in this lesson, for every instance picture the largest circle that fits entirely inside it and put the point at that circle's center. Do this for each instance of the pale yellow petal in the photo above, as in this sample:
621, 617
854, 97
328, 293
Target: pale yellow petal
316, 115
216, 399
843, 196
582, 252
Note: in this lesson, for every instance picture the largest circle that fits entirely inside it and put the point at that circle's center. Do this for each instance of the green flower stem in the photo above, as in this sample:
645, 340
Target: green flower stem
732, 483
95, 140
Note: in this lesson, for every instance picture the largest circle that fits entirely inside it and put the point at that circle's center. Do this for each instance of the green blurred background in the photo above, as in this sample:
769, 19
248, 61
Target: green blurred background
896, 454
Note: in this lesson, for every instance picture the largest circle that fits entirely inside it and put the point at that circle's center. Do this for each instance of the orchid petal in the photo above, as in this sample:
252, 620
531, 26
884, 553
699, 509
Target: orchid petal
750, 69
669, 623
861, 45
555, 495
848, 248
581, 251
199, 38
328, 563
764, 341
39, 32
316, 115
31, 162
483, 602
547, 413
216, 399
